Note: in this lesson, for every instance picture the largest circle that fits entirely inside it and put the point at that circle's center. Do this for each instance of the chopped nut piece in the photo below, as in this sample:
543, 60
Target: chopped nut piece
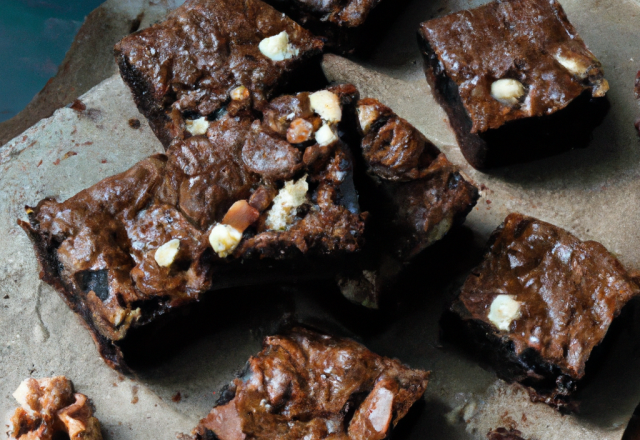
48, 408
507, 91
166, 254
573, 65
367, 115
286, 204
299, 131
240, 93
504, 309
278, 47
197, 126
241, 215
224, 239
327, 105
325, 136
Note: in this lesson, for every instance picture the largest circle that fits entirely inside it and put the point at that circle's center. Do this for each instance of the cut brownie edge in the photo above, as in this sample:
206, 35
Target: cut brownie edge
50, 274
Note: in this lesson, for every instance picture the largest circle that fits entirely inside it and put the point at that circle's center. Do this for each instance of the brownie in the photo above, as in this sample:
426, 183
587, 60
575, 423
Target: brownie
515, 79
413, 193
340, 22
49, 409
539, 304
188, 66
211, 213
308, 385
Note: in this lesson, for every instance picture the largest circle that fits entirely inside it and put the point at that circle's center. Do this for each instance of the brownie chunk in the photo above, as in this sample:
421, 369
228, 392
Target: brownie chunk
202, 217
513, 75
339, 21
308, 385
49, 409
413, 193
188, 66
540, 302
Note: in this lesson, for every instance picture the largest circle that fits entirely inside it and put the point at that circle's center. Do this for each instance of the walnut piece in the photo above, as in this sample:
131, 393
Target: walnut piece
50, 407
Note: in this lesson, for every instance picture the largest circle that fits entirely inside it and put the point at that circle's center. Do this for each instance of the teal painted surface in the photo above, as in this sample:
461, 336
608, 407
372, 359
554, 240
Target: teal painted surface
34, 38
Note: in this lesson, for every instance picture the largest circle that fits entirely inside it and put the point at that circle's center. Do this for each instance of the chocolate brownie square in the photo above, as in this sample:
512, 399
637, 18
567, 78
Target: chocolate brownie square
540, 302
341, 22
515, 79
413, 193
190, 65
306, 385
215, 211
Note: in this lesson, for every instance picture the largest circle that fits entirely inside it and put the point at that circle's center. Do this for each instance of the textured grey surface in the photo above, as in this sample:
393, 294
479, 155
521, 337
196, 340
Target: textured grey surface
593, 192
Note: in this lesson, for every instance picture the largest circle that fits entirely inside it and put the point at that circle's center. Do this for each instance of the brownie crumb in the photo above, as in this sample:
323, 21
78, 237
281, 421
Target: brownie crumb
177, 397
78, 105
134, 123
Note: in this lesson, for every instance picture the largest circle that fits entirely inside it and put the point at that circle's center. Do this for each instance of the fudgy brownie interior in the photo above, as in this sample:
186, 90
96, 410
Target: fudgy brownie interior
155, 238
413, 193
540, 302
188, 66
515, 79
308, 385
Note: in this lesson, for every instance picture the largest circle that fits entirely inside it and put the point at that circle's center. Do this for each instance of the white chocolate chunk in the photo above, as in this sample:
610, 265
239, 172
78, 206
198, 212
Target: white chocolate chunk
277, 47
367, 115
166, 254
327, 105
197, 126
507, 91
325, 136
224, 239
504, 309
286, 203
574, 65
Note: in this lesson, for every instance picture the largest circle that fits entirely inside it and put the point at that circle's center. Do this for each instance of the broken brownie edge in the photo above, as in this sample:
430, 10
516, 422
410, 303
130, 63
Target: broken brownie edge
188, 66
225, 208
539, 304
515, 79
304, 384
414, 194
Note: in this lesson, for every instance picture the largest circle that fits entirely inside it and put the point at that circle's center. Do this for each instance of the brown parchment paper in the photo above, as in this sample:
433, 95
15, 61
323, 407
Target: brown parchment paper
593, 192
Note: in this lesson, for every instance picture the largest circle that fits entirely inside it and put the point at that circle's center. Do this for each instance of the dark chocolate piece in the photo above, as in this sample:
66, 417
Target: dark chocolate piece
188, 66
540, 302
505, 434
157, 237
515, 78
307, 385
413, 193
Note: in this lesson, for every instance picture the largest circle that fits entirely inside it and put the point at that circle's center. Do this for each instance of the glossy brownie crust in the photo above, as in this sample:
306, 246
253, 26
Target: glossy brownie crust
569, 292
339, 21
99, 248
530, 41
187, 65
413, 193
307, 385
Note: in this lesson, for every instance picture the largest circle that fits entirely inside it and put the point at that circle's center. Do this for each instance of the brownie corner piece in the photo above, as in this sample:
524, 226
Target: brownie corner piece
414, 194
191, 64
304, 384
539, 303
516, 80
